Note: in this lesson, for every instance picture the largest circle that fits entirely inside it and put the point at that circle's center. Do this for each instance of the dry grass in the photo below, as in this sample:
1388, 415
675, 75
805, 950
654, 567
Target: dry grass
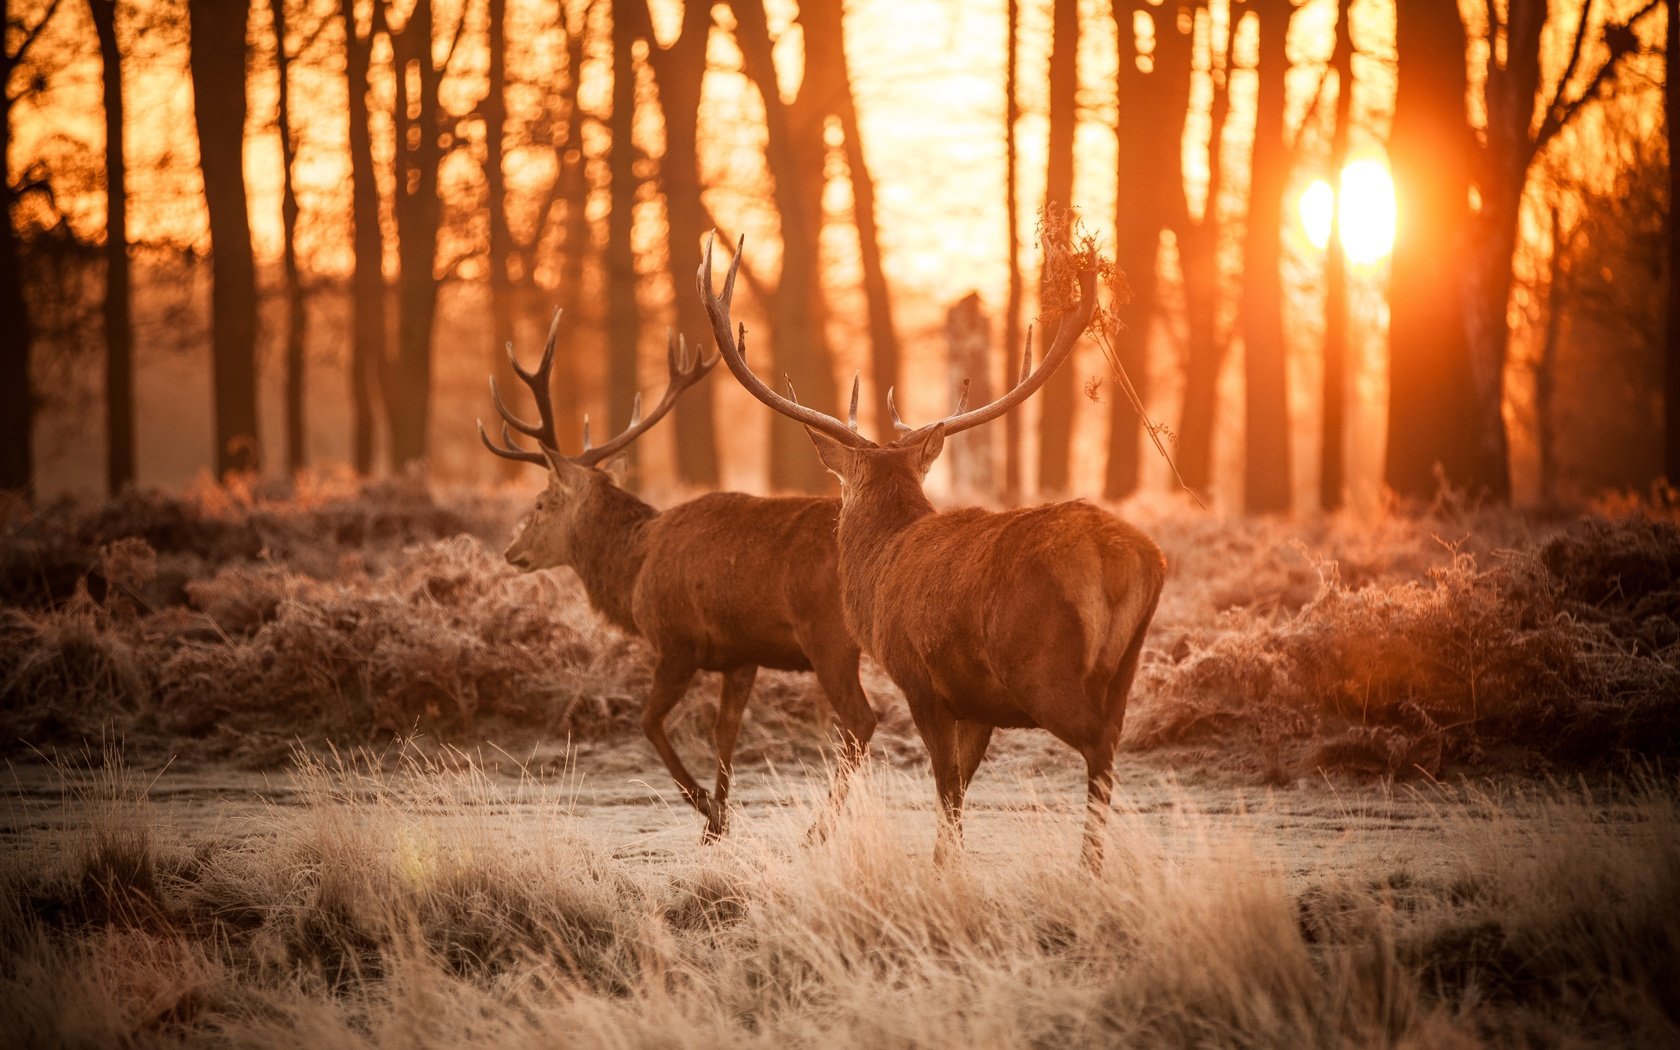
381, 917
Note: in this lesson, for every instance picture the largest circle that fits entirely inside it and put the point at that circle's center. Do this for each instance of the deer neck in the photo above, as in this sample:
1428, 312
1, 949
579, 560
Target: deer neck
608, 549
871, 525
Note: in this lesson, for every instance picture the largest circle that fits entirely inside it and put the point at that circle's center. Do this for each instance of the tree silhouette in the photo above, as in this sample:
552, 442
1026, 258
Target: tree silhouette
1266, 486
218, 63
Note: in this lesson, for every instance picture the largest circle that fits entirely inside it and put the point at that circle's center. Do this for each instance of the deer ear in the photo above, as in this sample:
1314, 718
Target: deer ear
562, 472
835, 456
933, 442
617, 468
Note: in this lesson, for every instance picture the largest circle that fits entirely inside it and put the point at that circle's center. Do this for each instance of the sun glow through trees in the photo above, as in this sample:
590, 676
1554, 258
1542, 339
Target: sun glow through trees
1367, 211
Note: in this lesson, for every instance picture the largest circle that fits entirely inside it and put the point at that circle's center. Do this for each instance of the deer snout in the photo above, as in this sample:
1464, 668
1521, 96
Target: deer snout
518, 558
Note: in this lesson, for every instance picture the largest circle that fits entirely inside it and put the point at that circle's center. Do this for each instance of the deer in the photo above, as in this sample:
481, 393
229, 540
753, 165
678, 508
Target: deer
1025, 618
724, 582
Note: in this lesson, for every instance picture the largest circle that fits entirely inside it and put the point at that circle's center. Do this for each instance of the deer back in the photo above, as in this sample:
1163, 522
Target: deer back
742, 579
977, 603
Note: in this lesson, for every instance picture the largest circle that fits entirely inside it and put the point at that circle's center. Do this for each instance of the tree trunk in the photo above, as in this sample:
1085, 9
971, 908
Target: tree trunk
297, 320
367, 281
577, 246
1012, 343
217, 61
119, 329
1671, 324
1431, 408
1152, 109
1510, 90
678, 70
623, 316
1266, 482
968, 344
1056, 399
494, 110
800, 347
829, 77
17, 396
1545, 368
1198, 253
418, 125
1332, 470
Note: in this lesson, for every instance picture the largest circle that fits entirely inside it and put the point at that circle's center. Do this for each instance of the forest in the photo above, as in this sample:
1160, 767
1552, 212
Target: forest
1265, 414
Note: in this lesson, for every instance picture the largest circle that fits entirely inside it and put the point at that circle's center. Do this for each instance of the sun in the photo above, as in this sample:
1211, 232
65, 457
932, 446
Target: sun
1367, 211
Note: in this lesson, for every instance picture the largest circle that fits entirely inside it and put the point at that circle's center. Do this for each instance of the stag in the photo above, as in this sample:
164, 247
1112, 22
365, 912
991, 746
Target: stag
725, 582
1031, 618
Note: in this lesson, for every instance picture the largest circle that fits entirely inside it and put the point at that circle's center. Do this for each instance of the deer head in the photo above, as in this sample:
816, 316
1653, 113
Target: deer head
869, 471
579, 488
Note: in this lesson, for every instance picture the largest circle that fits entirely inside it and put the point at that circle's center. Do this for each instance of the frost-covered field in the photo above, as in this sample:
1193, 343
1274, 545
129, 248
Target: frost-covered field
321, 768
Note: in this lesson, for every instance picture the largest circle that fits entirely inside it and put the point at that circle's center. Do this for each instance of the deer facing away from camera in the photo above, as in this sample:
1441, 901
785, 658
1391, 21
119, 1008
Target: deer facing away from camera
1014, 619
725, 582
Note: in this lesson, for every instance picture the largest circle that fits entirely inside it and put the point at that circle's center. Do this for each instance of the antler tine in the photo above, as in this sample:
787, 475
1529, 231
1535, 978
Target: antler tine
684, 370
1026, 359
528, 429
851, 413
586, 442
793, 395
962, 399
898, 424
1073, 325
732, 346
512, 450
538, 382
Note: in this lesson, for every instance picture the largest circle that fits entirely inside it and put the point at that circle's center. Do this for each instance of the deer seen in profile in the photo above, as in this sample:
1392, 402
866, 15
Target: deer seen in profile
1020, 618
725, 582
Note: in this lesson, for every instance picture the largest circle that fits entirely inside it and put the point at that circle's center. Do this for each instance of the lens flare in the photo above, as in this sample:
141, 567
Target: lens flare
1367, 211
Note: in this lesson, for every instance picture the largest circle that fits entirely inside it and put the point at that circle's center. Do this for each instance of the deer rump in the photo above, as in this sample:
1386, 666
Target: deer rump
998, 615
731, 579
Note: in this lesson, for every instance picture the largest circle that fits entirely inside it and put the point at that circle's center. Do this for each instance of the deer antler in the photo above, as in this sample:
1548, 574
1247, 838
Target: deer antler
732, 346
543, 431
685, 369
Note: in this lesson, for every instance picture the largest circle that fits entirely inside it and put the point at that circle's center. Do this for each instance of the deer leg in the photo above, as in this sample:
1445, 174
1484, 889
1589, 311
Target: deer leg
737, 687
1099, 787
968, 746
939, 733
670, 682
1099, 760
839, 680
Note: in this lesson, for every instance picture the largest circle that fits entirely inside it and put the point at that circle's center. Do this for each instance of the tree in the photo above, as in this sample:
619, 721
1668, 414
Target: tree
418, 118
1671, 323
1332, 470
678, 69
1519, 126
367, 279
800, 346
1431, 408
1266, 486
297, 318
623, 314
1150, 126
1012, 219
1207, 338
217, 60
1056, 400
572, 163
119, 330
827, 92
493, 108
17, 394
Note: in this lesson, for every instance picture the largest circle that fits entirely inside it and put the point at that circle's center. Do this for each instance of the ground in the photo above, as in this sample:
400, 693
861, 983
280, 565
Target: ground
319, 767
